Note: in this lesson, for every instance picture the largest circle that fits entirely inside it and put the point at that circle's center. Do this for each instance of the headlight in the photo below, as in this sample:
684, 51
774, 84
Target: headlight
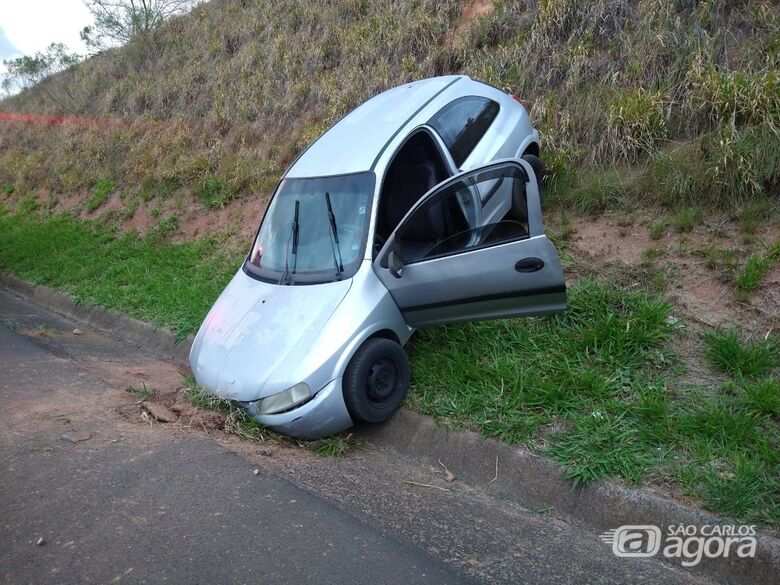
284, 401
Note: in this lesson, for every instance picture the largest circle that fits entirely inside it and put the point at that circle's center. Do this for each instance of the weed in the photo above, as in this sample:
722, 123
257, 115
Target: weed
762, 397
636, 123
652, 253
748, 358
129, 211
29, 204
684, 220
754, 215
658, 228
8, 189
337, 446
747, 280
215, 192
236, 420
100, 193
143, 391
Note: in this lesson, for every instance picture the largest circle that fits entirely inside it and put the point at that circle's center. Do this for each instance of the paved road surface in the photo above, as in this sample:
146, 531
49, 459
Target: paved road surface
118, 500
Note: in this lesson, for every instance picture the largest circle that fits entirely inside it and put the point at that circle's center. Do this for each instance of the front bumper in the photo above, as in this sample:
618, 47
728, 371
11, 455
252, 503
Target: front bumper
325, 414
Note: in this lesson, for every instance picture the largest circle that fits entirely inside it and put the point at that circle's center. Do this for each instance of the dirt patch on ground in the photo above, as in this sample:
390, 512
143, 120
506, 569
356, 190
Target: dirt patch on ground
696, 282
471, 12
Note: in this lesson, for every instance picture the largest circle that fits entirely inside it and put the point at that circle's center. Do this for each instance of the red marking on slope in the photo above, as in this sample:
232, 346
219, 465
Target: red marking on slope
58, 120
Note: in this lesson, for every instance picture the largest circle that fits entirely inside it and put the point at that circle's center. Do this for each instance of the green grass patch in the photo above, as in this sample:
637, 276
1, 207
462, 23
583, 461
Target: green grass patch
684, 220
100, 193
336, 446
166, 283
749, 278
596, 389
729, 353
658, 228
215, 192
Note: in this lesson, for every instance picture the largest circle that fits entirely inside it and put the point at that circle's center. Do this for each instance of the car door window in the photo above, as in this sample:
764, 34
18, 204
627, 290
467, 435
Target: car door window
444, 225
462, 123
440, 268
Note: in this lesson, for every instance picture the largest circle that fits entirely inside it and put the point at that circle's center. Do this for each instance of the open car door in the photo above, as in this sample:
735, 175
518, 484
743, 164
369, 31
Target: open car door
442, 268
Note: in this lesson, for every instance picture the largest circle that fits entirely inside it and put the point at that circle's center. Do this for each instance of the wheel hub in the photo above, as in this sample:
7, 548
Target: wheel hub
381, 381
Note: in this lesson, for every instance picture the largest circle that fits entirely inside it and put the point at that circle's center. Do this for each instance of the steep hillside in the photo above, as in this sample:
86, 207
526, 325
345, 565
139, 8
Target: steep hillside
223, 98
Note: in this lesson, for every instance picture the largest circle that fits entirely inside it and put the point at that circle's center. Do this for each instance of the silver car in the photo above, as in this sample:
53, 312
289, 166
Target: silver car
420, 207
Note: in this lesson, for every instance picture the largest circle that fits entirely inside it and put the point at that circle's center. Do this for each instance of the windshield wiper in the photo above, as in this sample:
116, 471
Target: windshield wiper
294, 236
332, 218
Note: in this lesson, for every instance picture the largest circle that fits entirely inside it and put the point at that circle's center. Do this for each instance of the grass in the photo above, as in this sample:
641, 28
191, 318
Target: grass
685, 219
203, 106
171, 284
336, 446
236, 421
100, 193
143, 391
749, 278
215, 192
658, 228
596, 389
728, 353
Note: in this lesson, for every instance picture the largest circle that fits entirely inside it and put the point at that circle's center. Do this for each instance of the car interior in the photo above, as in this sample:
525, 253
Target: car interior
416, 169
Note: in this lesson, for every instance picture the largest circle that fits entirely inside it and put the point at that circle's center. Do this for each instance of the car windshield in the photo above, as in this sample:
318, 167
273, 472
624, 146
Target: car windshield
314, 230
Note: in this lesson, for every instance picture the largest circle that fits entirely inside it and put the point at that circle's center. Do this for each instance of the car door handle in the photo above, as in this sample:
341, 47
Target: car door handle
529, 265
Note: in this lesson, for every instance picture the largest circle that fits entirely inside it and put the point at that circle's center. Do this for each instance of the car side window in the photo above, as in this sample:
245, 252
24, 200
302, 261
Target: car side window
443, 225
462, 124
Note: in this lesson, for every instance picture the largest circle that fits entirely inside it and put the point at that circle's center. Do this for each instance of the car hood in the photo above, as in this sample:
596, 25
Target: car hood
257, 333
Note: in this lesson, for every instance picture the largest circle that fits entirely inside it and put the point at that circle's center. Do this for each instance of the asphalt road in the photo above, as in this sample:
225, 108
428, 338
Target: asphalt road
118, 500
177, 510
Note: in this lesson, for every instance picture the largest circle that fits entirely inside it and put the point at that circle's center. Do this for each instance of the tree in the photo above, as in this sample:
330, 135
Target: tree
26, 71
119, 21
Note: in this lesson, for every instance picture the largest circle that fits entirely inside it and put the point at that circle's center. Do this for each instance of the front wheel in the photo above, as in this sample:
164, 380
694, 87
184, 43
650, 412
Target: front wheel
376, 380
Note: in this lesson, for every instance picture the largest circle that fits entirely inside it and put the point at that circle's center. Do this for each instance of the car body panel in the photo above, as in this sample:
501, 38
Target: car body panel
252, 338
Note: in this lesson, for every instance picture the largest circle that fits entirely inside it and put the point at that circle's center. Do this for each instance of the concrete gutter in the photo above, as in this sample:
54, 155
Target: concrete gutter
527, 479
158, 340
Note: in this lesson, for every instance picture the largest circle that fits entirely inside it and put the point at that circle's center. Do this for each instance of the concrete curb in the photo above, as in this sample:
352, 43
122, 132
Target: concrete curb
158, 340
538, 484
523, 477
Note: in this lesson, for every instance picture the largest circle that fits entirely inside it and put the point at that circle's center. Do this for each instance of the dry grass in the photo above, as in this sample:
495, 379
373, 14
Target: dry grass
228, 95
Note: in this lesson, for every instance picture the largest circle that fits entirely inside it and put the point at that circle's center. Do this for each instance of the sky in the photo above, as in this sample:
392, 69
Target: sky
27, 26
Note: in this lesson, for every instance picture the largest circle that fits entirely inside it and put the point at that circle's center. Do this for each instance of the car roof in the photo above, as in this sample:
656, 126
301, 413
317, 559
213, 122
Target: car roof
354, 143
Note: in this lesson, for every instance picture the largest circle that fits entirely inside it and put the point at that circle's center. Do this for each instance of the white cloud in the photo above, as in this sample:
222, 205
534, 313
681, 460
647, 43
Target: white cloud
31, 25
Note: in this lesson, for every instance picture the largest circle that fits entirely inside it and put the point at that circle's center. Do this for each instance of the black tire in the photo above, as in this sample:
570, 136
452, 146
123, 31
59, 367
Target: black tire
519, 209
376, 380
538, 166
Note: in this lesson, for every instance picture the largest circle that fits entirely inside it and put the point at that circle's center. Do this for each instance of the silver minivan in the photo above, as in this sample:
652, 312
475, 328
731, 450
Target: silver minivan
420, 207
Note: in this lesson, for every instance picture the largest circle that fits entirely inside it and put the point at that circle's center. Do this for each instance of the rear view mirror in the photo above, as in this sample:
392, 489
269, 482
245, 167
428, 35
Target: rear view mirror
395, 264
